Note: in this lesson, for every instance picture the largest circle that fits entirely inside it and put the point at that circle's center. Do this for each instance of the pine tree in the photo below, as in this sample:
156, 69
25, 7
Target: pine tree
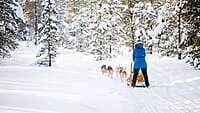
191, 44
143, 22
48, 33
9, 22
107, 32
32, 12
81, 26
149, 20
71, 11
167, 29
62, 24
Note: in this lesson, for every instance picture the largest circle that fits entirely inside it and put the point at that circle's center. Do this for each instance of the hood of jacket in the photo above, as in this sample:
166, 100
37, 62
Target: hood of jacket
140, 45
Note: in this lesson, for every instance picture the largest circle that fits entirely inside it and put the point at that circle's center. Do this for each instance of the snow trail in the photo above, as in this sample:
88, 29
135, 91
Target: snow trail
75, 85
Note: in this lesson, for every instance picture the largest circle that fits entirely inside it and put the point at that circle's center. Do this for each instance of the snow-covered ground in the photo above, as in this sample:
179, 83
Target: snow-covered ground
75, 85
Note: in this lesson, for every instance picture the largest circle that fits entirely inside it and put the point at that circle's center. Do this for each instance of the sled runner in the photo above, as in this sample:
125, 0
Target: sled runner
140, 85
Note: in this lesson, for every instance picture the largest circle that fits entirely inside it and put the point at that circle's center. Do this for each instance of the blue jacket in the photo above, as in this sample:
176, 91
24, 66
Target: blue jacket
139, 54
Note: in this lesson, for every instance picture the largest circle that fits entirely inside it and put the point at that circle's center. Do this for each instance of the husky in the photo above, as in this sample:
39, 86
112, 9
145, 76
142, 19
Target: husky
103, 69
118, 68
110, 71
122, 73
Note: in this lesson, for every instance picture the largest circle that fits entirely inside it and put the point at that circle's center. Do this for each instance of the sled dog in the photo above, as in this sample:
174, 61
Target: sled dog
103, 69
110, 71
123, 74
118, 68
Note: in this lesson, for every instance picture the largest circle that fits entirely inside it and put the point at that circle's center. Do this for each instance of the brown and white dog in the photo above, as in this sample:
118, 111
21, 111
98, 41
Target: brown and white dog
117, 70
123, 74
103, 69
110, 71
107, 70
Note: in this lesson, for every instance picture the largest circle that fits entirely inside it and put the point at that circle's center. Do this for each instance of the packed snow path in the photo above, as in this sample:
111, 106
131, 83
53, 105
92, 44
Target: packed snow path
75, 85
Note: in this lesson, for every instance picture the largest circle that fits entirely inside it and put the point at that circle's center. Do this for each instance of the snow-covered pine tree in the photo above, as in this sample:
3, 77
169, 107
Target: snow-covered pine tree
115, 32
62, 25
22, 31
80, 26
9, 21
48, 31
166, 30
144, 21
165, 27
32, 12
149, 20
106, 39
93, 14
191, 43
98, 47
127, 22
71, 11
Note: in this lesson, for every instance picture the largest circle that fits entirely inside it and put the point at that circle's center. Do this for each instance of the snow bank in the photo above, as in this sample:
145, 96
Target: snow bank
75, 85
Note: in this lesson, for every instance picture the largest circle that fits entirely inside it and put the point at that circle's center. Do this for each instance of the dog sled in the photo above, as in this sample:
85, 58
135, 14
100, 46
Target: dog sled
139, 80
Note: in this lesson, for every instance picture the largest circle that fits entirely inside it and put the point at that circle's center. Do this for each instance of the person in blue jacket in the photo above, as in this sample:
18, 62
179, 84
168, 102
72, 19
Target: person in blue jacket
139, 55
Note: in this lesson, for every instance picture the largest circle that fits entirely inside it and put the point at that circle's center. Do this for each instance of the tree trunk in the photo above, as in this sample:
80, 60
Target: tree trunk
49, 41
36, 22
179, 32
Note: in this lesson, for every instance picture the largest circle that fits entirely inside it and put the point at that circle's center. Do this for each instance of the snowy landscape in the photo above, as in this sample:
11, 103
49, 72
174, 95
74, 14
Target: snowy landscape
75, 85
52, 51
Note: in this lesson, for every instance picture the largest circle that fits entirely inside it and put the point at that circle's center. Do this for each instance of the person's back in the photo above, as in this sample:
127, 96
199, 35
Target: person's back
139, 55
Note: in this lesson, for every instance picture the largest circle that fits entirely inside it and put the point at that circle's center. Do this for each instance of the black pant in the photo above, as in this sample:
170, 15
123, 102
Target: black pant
144, 72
